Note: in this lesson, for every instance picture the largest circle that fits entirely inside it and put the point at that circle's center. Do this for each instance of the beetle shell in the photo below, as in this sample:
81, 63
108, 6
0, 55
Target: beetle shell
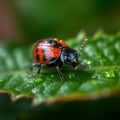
47, 51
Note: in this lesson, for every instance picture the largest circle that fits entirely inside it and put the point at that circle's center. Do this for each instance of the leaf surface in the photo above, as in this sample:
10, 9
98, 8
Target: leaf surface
101, 78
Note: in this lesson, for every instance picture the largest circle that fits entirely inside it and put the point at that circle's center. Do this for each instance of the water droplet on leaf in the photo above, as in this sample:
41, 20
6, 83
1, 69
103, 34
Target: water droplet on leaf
1, 80
93, 82
35, 90
37, 80
52, 76
27, 86
88, 62
110, 74
71, 75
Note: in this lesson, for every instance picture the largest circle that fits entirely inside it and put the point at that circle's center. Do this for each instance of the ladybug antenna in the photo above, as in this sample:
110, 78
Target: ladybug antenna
82, 46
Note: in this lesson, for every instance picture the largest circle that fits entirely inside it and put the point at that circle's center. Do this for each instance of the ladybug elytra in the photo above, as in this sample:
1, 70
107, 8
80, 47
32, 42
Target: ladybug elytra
53, 52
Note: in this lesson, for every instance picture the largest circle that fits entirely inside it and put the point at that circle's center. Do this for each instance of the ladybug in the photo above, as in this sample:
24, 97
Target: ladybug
53, 52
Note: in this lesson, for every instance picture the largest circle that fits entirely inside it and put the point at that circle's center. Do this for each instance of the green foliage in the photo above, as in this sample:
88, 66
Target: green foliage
101, 78
64, 18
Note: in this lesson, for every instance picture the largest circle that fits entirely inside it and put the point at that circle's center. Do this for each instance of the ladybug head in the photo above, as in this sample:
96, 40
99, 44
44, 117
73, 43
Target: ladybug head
70, 57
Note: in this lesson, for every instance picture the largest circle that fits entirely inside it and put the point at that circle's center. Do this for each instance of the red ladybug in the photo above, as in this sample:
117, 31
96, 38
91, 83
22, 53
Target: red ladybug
53, 52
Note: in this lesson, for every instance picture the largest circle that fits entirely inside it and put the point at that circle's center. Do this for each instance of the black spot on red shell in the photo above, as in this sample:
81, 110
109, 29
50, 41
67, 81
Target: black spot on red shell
55, 43
52, 59
49, 41
44, 58
43, 50
37, 50
38, 57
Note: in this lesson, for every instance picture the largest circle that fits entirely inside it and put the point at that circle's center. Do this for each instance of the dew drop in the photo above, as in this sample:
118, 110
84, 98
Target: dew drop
88, 62
1, 80
71, 75
35, 90
28, 86
37, 80
52, 76
93, 82
110, 74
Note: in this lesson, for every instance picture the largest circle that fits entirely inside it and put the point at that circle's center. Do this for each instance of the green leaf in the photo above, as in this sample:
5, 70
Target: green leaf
101, 78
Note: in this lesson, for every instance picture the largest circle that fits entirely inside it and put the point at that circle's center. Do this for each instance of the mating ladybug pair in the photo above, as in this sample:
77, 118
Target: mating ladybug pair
53, 52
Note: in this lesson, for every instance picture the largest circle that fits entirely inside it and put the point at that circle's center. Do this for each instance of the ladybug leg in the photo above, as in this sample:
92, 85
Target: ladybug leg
38, 72
39, 69
60, 74
82, 66
35, 65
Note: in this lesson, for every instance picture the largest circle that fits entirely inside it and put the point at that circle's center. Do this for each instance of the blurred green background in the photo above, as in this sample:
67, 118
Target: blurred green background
30, 20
